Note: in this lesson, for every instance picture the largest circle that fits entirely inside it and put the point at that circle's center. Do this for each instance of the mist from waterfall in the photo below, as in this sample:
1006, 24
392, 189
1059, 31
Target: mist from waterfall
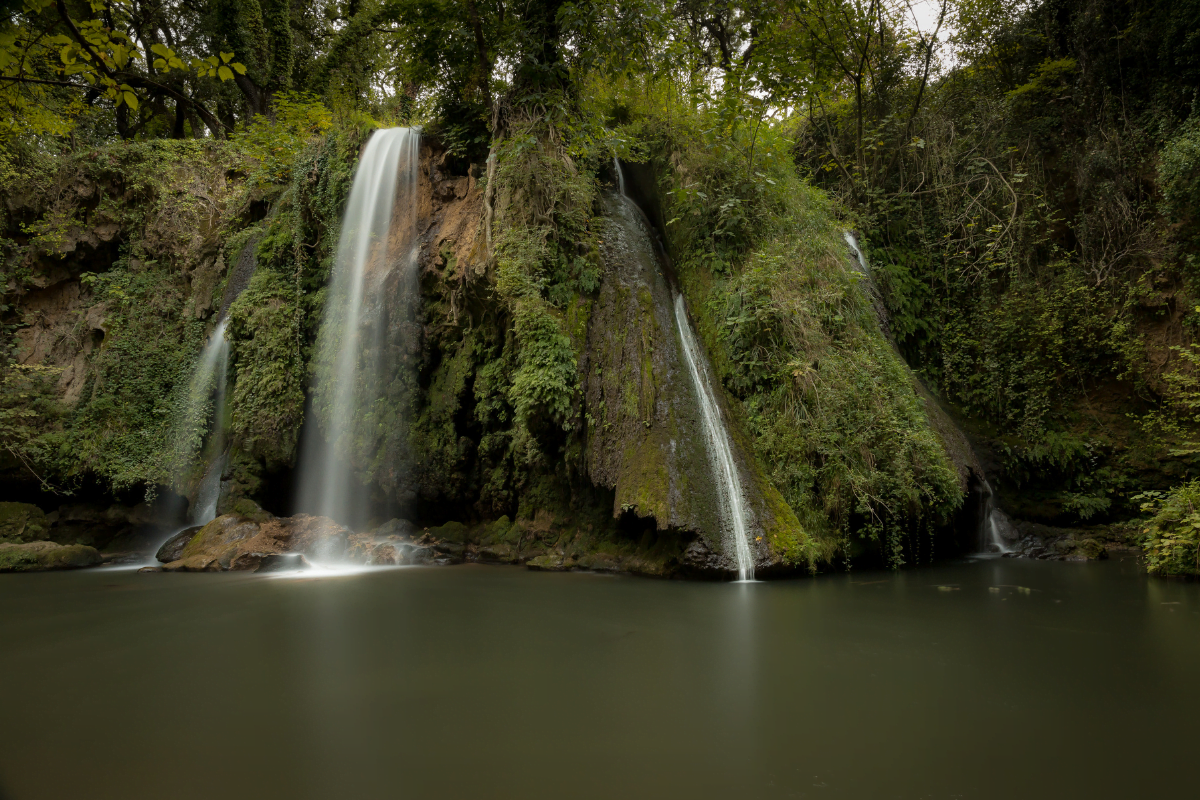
730, 498
378, 237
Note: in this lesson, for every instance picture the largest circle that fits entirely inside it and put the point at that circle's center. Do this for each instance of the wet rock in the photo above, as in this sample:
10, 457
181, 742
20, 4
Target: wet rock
450, 549
699, 559
385, 555
454, 532
195, 563
398, 528
245, 507
415, 555
233, 542
497, 532
359, 547
602, 562
499, 553
172, 549
42, 556
151, 569
550, 562
22, 522
283, 562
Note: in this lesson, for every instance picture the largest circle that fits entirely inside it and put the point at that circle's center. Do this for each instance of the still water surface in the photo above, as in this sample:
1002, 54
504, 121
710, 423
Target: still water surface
495, 682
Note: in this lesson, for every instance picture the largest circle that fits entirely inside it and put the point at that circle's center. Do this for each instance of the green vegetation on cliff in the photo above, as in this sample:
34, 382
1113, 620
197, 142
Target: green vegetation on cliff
1024, 190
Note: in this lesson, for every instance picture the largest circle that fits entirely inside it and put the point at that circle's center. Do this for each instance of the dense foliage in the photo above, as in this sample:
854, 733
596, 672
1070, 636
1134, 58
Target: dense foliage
1024, 178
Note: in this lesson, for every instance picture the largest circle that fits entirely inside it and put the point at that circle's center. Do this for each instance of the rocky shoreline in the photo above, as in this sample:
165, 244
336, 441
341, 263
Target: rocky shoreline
79, 535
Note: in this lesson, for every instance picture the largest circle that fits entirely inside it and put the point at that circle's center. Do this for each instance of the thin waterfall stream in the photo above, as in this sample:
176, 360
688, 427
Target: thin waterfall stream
720, 453
730, 497
204, 409
378, 236
994, 527
214, 373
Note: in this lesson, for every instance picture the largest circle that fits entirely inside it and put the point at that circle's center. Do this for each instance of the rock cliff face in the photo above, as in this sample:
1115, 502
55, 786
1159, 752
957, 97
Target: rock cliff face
645, 437
620, 480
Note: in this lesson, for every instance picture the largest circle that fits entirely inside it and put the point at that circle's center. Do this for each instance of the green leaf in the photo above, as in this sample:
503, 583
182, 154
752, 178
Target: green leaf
130, 99
225, 73
161, 50
239, 67
226, 57
160, 65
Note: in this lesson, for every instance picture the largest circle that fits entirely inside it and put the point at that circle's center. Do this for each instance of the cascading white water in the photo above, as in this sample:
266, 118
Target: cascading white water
203, 412
993, 525
720, 453
852, 240
209, 382
730, 499
378, 235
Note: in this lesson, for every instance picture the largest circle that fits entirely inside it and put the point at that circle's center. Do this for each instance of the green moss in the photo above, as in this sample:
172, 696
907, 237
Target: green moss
450, 532
22, 522
17, 560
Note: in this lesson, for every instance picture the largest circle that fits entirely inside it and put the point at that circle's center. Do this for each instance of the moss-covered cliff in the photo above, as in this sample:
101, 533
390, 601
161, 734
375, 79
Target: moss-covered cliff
542, 382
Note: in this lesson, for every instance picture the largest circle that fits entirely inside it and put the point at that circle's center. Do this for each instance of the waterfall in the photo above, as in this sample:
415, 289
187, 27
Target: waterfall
993, 524
720, 453
210, 380
730, 499
351, 368
852, 240
204, 412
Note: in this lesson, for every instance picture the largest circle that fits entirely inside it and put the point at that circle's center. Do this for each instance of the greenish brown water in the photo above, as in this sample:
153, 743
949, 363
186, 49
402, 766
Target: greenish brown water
502, 683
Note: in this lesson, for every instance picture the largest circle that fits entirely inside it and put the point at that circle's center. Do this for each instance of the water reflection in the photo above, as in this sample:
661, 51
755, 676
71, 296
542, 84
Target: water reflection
997, 678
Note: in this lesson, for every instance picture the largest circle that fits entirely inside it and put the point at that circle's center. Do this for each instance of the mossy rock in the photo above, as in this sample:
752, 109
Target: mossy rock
450, 532
245, 507
44, 556
1090, 549
22, 522
550, 562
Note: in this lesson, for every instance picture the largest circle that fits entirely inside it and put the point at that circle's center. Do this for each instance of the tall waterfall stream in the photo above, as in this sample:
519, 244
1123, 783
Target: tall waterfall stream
730, 498
378, 236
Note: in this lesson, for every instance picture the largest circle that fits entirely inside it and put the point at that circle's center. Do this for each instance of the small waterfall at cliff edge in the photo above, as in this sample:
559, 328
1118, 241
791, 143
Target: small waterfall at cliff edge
204, 411
994, 526
730, 498
212, 375
378, 236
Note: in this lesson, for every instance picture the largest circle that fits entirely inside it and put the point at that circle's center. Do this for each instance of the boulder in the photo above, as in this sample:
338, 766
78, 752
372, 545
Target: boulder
385, 555
551, 562
245, 507
454, 532
172, 549
234, 542
271, 562
22, 522
42, 556
398, 528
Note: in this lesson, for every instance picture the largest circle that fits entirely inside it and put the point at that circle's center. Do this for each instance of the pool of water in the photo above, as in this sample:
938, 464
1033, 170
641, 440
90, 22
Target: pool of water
981, 679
